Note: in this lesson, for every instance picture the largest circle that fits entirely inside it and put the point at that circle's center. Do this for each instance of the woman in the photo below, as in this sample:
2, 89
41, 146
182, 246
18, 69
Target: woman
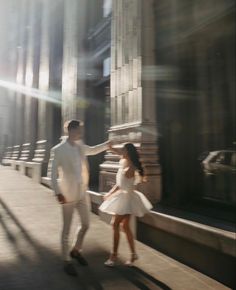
123, 201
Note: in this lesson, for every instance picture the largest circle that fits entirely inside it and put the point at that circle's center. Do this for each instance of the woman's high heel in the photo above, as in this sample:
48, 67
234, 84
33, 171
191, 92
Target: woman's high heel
133, 258
111, 262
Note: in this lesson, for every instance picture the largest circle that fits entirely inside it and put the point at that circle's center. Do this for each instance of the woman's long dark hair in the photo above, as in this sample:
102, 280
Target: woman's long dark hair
134, 157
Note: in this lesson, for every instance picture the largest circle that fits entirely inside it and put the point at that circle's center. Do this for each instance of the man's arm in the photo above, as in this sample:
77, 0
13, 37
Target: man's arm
93, 150
118, 151
55, 187
54, 173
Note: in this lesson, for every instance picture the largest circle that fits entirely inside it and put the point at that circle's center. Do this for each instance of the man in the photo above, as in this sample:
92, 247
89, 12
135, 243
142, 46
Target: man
69, 160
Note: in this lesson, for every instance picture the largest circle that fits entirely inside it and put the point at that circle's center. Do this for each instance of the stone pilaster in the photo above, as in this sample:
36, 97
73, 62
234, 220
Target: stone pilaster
10, 25
20, 73
45, 108
133, 91
73, 101
31, 77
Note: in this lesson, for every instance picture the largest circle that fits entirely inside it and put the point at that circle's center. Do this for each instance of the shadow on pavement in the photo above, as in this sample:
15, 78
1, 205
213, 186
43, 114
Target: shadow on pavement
28, 264
141, 279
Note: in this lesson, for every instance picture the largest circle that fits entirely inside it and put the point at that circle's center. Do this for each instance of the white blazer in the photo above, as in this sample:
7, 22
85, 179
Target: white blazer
62, 165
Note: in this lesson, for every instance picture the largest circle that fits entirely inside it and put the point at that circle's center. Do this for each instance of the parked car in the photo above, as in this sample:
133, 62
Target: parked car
220, 162
219, 180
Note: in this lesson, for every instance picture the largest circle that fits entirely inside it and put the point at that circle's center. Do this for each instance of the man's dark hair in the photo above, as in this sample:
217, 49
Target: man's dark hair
73, 124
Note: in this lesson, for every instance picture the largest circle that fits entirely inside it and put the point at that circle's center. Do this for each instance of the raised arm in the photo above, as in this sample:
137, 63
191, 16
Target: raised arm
93, 150
111, 192
118, 151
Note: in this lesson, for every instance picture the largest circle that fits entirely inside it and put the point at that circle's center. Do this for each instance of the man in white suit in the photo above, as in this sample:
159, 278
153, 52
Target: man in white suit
70, 163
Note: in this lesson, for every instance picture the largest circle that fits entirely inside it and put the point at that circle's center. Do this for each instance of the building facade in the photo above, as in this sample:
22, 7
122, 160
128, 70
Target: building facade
160, 74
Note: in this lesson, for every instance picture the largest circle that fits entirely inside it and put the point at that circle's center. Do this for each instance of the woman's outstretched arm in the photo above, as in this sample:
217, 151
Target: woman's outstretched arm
113, 190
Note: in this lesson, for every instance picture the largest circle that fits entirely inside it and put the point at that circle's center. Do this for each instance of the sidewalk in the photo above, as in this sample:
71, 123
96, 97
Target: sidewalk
30, 224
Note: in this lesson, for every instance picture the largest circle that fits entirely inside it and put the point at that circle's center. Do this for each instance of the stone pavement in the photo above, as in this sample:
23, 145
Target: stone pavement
30, 223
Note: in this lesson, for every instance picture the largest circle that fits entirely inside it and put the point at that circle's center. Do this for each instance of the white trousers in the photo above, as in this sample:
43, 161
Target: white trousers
82, 206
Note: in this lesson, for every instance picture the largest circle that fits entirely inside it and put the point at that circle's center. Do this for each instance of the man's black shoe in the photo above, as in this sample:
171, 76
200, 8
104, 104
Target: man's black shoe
70, 269
76, 255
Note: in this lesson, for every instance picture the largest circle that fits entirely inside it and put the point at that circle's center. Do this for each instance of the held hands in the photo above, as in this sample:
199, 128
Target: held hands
114, 150
109, 144
61, 199
144, 179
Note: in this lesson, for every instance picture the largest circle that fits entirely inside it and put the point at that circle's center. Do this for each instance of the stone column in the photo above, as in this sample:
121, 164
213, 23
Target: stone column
20, 73
31, 77
133, 90
73, 78
45, 108
19, 102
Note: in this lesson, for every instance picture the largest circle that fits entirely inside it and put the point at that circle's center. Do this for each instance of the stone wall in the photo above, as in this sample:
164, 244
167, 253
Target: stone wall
132, 92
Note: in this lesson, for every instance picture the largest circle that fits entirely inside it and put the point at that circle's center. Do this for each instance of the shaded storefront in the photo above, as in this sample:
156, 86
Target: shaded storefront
196, 104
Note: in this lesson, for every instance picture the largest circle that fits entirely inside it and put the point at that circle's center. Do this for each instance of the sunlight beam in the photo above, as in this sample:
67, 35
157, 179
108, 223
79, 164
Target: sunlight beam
52, 97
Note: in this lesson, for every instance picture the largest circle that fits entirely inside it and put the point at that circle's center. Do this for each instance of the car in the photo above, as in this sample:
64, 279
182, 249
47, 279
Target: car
219, 176
220, 162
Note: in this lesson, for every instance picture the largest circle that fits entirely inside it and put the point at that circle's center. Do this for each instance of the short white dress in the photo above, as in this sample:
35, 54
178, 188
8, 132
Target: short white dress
126, 200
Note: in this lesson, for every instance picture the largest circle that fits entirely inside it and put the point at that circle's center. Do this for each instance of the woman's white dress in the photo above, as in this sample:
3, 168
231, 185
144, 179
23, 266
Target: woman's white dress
126, 200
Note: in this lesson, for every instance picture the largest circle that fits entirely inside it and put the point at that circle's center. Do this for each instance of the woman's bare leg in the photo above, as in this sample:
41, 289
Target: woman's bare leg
116, 235
128, 232
130, 238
